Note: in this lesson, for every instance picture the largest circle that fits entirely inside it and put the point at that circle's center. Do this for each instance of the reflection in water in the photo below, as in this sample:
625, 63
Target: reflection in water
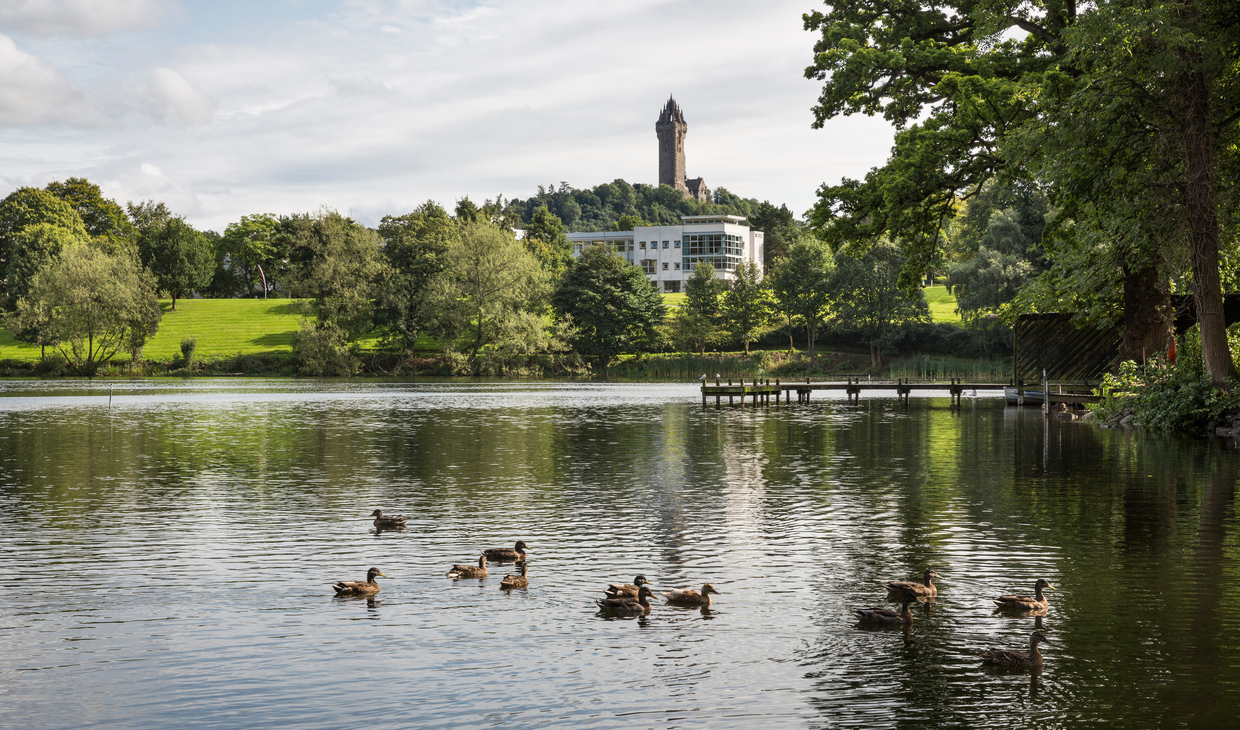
231, 503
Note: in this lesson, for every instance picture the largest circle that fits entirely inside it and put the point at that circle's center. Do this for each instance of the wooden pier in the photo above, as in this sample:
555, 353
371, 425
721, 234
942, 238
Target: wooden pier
760, 391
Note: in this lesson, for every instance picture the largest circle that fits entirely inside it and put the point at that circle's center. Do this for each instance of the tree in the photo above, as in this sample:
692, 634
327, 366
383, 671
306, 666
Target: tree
868, 297
546, 239
747, 305
252, 251
987, 281
147, 214
611, 304
181, 258
780, 228
335, 262
800, 284
698, 323
88, 303
415, 247
492, 291
103, 218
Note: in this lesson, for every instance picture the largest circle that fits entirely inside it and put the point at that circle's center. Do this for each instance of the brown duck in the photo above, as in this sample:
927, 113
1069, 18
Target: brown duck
692, 598
1025, 603
925, 589
516, 581
507, 555
359, 587
388, 522
614, 590
887, 616
625, 606
470, 571
1010, 658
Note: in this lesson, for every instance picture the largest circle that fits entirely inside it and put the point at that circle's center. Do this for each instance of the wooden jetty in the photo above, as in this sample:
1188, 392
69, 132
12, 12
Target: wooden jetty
760, 391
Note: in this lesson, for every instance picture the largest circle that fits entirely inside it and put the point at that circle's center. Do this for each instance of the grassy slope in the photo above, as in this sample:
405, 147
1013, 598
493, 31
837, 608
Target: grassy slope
244, 326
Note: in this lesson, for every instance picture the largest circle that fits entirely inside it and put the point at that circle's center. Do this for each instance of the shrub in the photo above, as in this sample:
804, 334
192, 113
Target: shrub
188, 346
323, 349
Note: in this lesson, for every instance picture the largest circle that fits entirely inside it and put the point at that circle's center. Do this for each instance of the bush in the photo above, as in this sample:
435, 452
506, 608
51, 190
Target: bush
54, 364
188, 346
323, 349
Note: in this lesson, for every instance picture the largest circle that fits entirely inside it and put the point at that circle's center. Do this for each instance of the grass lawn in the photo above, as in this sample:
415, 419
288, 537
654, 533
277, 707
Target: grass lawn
674, 300
942, 305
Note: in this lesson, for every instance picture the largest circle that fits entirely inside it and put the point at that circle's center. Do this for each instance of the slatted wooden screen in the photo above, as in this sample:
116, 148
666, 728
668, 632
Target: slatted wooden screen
1067, 352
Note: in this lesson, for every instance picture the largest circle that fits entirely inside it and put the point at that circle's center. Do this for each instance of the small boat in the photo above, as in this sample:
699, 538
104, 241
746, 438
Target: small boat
1032, 397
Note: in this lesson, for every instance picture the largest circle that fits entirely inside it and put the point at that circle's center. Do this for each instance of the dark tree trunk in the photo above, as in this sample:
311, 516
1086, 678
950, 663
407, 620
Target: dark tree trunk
1147, 315
1201, 213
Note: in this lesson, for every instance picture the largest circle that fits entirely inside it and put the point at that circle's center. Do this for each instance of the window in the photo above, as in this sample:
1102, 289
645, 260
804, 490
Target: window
671, 287
678, 266
665, 266
665, 244
677, 244
643, 245
648, 265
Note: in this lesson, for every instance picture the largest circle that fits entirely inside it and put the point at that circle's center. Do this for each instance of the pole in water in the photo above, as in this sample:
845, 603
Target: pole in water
109, 396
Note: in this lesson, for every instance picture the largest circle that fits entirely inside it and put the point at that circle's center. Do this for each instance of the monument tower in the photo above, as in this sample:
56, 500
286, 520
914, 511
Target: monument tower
671, 130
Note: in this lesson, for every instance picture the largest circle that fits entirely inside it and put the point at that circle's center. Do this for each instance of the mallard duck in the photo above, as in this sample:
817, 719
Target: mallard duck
1009, 658
628, 606
886, 615
516, 581
692, 598
507, 555
1025, 603
359, 587
926, 589
626, 589
469, 571
388, 522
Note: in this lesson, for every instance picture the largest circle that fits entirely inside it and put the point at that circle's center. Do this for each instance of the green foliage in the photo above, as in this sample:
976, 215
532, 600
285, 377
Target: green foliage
253, 252
987, 281
698, 323
188, 346
84, 303
415, 247
105, 221
867, 296
800, 284
147, 214
748, 305
491, 292
335, 262
323, 348
611, 305
31, 249
627, 222
546, 238
181, 258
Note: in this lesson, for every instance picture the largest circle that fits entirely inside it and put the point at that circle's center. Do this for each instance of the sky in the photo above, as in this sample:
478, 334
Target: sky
224, 108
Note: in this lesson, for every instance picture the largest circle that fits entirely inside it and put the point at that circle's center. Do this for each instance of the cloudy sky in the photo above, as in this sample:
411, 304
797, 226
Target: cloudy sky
227, 107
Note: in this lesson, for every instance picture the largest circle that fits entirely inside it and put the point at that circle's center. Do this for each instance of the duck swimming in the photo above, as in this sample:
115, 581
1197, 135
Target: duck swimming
626, 589
925, 589
507, 555
887, 616
516, 581
359, 587
1025, 603
470, 571
1009, 658
388, 522
692, 598
624, 606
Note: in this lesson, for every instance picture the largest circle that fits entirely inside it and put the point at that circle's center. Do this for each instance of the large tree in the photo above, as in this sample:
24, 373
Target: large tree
545, 237
970, 86
868, 298
698, 322
611, 304
253, 252
103, 218
335, 263
415, 247
181, 258
801, 286
747, 306
90, 305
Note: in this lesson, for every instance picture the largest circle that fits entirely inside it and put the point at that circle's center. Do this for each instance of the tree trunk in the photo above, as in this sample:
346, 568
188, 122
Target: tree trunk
1147, 315
809, 335
174, 301
1201, 213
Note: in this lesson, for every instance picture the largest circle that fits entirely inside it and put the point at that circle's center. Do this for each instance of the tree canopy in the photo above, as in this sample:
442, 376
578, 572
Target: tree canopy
611, 305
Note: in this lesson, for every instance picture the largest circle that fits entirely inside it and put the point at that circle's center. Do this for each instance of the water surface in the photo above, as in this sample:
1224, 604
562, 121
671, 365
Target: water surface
167, 559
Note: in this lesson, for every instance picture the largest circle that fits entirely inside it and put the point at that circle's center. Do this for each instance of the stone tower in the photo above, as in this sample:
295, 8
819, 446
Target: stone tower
671, 129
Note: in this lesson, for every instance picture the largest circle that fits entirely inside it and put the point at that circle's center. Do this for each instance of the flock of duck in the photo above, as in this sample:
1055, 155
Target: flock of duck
633, 599
910, 593
622, 599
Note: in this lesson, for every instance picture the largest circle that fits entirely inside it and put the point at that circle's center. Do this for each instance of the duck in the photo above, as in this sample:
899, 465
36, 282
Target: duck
388, 522
507, 555
366, 587
626, 606
470, 571
692, 598
516, 581
1010, 658
887, 616
614, 590
926, 589
1025, 603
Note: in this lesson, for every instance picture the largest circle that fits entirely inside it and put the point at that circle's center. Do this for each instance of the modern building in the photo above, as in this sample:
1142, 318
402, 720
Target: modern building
668, 253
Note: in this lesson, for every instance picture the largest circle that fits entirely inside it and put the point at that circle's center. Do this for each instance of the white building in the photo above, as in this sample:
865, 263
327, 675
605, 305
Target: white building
668, 253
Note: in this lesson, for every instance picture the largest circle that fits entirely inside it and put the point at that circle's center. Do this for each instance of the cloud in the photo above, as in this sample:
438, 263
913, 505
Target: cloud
176, 99
82, 17
32, 92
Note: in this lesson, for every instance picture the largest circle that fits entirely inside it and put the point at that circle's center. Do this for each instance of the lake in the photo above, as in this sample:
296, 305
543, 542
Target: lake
167, 559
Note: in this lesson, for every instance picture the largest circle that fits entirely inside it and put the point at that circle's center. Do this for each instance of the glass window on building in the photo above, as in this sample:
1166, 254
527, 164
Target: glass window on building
665, 266
678, 266
643, 245
665, 244
671, 287
648, 265
677, 244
